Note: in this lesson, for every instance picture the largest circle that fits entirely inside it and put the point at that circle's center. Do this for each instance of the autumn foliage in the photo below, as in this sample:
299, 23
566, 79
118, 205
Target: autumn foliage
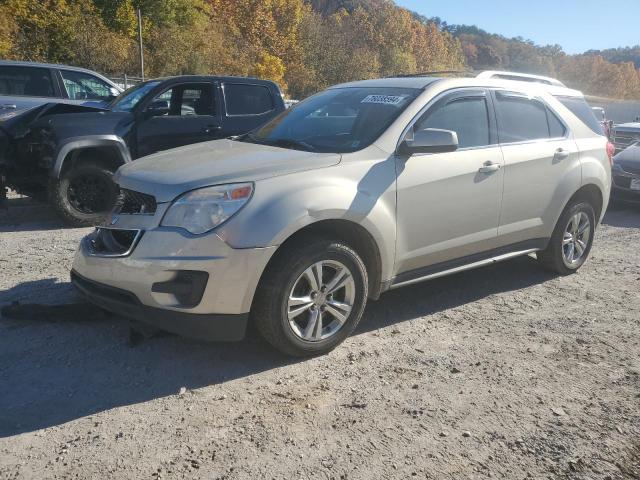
303, 45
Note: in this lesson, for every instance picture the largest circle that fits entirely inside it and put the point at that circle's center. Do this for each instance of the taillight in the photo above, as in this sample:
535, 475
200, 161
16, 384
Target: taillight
611, 150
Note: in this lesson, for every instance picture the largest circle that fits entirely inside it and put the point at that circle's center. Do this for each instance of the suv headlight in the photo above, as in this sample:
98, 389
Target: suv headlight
202, 210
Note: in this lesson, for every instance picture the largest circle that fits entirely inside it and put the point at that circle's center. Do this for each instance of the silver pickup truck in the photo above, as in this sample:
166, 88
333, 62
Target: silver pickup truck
27, 84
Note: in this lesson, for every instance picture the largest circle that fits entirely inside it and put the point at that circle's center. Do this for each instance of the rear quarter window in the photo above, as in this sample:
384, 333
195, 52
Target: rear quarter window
581, 109
247, 99
26, 81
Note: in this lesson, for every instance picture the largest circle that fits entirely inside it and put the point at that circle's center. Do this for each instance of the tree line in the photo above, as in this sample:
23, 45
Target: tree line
305, 46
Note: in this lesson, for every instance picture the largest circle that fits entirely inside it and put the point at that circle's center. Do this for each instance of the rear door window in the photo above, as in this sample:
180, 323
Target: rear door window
581, 109
522, 119
26, 81
246, 99
467, 116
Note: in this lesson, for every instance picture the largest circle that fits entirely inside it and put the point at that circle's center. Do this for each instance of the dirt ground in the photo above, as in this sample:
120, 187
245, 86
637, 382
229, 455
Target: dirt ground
502, 372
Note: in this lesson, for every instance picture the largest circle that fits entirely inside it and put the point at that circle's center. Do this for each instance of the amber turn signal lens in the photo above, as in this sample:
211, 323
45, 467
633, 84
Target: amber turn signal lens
242, 192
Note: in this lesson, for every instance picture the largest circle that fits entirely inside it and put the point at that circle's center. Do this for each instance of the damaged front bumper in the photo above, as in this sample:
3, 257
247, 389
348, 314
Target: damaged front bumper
194, 285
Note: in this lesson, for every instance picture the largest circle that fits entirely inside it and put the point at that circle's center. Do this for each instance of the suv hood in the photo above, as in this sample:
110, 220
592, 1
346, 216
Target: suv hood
170, 173
629, 155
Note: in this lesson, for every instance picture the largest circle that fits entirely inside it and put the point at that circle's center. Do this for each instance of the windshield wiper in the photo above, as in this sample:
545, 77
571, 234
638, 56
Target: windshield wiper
292, 143
245, 137
278, 142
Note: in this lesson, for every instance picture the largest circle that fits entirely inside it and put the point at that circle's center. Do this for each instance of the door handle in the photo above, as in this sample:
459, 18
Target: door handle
488, 167
211, 128
561, 154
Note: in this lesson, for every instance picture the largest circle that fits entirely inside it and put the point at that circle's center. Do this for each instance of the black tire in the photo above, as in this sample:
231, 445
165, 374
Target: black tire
84, 194
553, 258
270, 306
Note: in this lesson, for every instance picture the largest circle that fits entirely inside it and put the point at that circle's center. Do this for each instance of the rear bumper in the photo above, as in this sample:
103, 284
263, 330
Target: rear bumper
212, 327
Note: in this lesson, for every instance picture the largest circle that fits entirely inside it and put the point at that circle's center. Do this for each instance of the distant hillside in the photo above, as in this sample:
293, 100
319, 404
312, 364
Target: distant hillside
304, 45
619, 55
608, 73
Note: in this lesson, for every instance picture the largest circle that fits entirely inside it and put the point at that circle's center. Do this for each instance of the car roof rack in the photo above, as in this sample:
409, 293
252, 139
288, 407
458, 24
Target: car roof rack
520, 77
467, 73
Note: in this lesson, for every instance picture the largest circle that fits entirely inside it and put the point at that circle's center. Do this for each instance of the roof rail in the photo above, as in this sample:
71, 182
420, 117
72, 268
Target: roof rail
521, 77
435, 72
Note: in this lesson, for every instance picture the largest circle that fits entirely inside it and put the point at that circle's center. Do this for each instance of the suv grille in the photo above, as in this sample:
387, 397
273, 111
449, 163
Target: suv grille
135, 203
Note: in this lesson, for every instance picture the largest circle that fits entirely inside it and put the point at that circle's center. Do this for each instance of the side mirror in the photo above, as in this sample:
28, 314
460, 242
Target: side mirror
113, 92
158, 108
429, 140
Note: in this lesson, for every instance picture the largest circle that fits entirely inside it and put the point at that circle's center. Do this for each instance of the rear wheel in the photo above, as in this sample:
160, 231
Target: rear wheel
85, 194
571, 241
311, 298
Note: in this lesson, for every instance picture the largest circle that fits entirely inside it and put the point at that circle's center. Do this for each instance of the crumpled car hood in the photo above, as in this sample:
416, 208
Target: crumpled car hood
17, 123
170, 173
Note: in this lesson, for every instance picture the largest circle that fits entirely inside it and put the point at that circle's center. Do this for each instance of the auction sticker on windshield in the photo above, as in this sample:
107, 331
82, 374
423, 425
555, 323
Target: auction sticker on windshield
384, 99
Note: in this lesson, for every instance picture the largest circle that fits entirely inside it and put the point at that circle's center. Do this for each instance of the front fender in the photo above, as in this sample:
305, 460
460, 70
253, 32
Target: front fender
90, 141
282, 206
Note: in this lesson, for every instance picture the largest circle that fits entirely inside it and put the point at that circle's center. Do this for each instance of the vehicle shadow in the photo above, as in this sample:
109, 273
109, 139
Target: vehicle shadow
57, 371
24, 214
46, 291
623, 216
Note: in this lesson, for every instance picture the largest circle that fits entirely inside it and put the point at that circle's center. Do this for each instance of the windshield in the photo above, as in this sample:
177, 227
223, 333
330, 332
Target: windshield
338, 120
127, 100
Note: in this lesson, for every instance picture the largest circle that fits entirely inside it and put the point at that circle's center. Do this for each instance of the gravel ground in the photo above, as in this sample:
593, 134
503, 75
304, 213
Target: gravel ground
503, 372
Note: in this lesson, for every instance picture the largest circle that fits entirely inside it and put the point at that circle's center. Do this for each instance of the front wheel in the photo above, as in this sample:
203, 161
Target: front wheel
84, 194
571, 240
311, 298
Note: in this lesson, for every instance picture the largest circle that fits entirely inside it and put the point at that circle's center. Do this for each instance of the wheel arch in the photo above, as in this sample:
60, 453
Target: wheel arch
351, 233
592, 194
110, 150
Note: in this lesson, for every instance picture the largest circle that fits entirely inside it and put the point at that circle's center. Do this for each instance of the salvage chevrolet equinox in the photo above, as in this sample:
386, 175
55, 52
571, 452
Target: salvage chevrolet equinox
365, 187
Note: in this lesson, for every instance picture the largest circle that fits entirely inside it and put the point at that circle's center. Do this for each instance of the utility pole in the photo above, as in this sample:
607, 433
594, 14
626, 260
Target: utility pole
140, 44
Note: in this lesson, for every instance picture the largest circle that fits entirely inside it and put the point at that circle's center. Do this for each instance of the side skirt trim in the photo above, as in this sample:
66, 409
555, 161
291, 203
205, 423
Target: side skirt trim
467, 263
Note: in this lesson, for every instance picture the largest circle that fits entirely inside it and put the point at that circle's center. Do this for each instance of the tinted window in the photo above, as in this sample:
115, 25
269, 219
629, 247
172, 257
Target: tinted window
521, 118
580, 108
556, 128
27, 81
468, 117
336, 120
196, 100
82, 86
184, 100
247, 99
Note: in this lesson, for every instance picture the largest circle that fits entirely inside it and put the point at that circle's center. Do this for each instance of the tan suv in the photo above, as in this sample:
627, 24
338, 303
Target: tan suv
362, 188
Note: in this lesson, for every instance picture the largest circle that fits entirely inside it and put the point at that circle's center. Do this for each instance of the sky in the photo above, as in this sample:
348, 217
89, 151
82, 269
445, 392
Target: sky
575, 25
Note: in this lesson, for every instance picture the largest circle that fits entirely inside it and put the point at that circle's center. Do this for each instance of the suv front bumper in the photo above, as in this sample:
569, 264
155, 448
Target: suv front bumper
127, 285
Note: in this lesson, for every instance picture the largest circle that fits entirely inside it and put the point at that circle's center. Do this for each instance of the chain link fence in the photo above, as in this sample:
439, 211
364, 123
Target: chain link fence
125, 81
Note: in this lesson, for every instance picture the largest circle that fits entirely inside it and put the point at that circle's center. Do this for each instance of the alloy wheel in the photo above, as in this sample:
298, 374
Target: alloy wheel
321, 300
576, 239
